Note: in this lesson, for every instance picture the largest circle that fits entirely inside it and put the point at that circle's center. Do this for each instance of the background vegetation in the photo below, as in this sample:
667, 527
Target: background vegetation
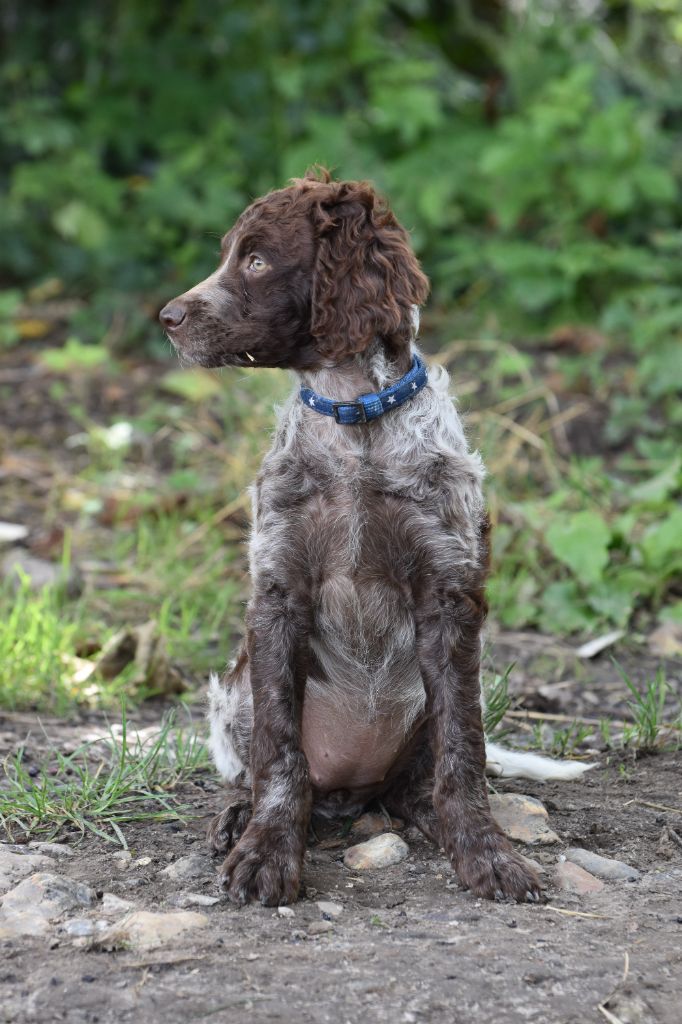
535, 151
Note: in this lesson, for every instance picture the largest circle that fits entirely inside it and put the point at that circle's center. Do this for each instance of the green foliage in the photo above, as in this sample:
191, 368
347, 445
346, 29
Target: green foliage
534, 150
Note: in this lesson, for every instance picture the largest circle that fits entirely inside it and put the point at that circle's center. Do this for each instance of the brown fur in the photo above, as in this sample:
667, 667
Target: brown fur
369, 555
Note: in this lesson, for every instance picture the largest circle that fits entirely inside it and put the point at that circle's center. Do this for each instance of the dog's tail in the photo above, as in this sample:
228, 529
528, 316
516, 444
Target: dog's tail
517, 764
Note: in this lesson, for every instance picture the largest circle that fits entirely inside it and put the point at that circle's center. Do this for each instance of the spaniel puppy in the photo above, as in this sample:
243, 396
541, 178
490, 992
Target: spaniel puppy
359, 676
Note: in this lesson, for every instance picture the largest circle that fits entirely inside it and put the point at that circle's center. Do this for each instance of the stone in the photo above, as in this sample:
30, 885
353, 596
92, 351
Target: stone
380, 852
53, 849
285, 912
572, 878
79, 927
18, 564
15, 865
329, 909
31, 907
112, 905
602, 867
184, 869
666, 640
522, 818
142, 862
319, 927
372, 824
123, 859
193, 899
146, 930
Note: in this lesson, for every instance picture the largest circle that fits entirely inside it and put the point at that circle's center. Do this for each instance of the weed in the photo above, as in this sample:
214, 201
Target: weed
647, 709
497, 701
87, 791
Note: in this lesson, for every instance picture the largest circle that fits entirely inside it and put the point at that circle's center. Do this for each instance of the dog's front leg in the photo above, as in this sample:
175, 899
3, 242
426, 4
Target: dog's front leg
449, 622
266, 862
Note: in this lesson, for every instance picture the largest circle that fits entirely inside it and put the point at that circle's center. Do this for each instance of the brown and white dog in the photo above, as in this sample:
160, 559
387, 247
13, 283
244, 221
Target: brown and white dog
360, 673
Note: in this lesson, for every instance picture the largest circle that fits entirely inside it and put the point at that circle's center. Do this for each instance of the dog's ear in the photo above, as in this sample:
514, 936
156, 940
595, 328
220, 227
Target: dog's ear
366, 278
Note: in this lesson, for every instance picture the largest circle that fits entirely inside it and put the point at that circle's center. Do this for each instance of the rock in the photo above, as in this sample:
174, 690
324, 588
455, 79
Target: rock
15, 865
53, 849
602, 867
666, 640
123, 859
571, 878
193, 899
319, 927
18, 564
31, 906
79, 927
380, 852
142, 862
285, 912
194, 865
522, 818
372, 824
145, 930
329, 909
113, 905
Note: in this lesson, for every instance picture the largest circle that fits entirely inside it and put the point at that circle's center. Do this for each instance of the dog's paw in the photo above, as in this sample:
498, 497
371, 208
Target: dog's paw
265, 865
227, 828
488, 866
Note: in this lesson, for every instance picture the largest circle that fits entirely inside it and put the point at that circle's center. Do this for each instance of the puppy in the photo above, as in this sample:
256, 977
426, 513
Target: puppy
360, 673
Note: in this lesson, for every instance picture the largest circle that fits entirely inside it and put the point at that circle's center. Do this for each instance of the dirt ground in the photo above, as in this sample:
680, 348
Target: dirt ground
408, 945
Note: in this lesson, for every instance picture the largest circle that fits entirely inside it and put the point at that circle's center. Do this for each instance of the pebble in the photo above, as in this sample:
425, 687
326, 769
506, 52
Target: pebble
522, 818
112, 905
142, 862
572, 878
15, 865
602, 867
79, 927
193, 899
285, 912
184, 869
319, 927
329, 909
380, 852
372, 824
53, 849
19, 563
145, 930
123, 859
31, 906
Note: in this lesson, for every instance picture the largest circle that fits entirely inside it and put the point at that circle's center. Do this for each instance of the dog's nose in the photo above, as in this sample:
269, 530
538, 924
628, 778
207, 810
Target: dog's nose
172, 315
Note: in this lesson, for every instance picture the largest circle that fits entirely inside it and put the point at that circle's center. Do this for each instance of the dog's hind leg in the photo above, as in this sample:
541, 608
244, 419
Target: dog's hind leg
410, 793
230, 716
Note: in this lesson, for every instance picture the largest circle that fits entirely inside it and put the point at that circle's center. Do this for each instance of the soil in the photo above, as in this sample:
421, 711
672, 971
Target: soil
409, 944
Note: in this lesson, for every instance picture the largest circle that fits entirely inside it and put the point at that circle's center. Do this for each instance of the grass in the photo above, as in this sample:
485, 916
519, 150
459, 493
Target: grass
649, 731
90, 792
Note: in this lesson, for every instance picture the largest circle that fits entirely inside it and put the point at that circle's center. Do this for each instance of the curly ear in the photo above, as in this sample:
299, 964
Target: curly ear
366, 278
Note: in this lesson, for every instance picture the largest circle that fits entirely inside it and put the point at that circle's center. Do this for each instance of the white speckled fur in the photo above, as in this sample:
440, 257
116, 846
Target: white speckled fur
348, 620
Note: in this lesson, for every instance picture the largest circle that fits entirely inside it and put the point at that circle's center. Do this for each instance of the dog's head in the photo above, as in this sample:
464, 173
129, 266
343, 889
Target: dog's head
309, 275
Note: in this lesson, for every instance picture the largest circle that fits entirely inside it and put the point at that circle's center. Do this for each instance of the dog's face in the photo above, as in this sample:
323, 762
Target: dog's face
308, 276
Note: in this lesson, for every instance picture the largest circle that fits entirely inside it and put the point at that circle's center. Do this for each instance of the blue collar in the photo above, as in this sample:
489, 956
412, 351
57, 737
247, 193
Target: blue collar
369, 407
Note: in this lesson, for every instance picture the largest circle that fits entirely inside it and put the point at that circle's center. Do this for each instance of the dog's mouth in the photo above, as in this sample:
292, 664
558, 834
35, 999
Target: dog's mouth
243, 359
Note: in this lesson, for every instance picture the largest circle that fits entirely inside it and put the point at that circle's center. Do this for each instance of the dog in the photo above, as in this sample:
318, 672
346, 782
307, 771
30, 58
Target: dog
360, 673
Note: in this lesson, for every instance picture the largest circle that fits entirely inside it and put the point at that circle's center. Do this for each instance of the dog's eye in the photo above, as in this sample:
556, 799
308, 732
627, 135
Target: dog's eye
256, 263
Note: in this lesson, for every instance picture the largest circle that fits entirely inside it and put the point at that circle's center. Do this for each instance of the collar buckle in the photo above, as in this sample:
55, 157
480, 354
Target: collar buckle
358, 406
